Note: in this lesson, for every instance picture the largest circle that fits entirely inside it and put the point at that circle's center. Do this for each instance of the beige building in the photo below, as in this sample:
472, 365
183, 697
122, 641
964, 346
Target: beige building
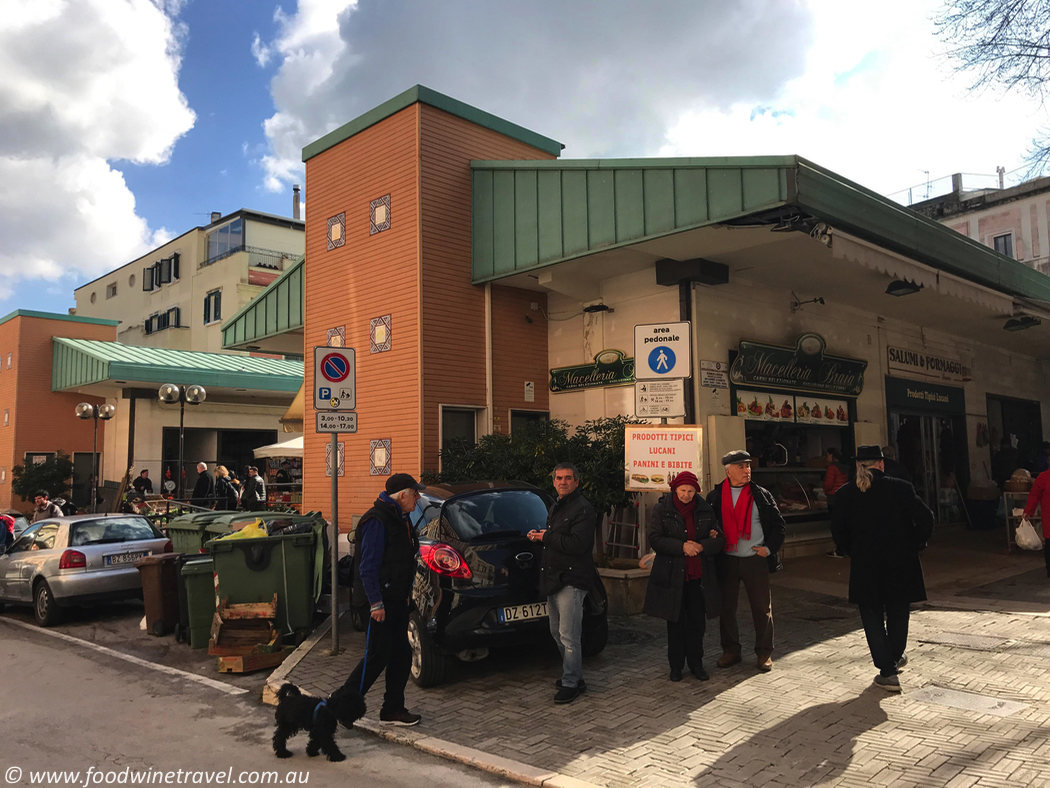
178, 295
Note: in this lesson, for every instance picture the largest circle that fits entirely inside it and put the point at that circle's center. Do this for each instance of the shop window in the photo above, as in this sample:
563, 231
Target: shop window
458, 424
213, 307
519, 418
111, 290
1004, 244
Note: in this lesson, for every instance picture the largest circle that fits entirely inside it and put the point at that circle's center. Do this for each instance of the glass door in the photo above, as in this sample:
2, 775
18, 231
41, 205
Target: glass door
928, 448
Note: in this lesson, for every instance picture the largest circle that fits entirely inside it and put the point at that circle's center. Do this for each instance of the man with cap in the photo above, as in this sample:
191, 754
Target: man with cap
385, 550
754, 532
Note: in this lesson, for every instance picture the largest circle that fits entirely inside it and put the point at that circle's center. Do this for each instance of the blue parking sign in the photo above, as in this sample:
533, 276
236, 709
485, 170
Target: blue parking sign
324, 393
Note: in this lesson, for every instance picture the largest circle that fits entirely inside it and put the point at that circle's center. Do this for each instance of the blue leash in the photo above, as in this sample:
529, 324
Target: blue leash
364, 665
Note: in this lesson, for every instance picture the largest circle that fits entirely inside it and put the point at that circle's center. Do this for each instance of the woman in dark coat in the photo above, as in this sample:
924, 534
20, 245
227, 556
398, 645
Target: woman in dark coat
882, 525
683, 588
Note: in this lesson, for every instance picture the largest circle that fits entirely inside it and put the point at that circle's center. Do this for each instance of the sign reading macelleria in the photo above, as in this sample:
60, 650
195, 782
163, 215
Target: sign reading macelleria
609, 368
805, 367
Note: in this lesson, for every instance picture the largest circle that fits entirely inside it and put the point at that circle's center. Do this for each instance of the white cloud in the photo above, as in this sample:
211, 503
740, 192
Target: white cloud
82, 84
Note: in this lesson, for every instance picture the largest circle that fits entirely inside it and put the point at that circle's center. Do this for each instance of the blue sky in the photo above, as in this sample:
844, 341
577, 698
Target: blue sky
161, 111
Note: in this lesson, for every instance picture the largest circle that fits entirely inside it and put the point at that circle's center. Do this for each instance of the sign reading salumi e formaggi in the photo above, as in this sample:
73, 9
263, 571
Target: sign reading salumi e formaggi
804, 367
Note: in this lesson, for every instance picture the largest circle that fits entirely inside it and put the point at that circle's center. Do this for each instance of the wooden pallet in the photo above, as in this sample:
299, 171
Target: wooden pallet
249, 662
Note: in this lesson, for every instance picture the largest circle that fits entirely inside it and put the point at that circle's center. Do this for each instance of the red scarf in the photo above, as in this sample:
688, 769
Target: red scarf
694, 564
736, 520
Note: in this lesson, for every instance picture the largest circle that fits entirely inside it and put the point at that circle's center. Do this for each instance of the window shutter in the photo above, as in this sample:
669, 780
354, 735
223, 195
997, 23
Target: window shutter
207, 309
217, 306
175, 266
147, 279
149, 322
173, 317
164, 271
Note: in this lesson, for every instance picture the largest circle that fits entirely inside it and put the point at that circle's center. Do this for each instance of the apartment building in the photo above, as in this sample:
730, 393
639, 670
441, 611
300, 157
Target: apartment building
177, 295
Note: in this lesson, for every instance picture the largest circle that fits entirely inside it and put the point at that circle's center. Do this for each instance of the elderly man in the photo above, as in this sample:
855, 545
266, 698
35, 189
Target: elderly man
567, 574
754, 531
204, 489
385, 550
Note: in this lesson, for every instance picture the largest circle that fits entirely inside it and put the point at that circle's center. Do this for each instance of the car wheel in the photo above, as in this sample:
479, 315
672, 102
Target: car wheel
359, 617
44, 607
595, 636
428, 663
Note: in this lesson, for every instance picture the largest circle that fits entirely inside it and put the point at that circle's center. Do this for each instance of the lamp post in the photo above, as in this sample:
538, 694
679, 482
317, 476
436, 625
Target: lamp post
85, 410
195, 395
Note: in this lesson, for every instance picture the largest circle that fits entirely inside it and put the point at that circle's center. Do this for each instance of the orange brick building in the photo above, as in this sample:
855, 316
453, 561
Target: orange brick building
388, 240
37, 422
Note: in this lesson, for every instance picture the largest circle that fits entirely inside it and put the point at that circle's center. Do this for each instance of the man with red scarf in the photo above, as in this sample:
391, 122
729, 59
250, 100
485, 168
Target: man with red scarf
754, 532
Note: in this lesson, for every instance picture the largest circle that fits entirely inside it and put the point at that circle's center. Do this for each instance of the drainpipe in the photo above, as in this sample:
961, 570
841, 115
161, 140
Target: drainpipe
685, 312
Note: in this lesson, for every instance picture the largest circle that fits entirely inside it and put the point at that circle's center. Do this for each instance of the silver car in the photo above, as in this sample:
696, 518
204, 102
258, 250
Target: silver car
77, 560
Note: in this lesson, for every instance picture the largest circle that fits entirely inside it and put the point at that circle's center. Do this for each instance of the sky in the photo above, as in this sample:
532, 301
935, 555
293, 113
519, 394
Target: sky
124, 123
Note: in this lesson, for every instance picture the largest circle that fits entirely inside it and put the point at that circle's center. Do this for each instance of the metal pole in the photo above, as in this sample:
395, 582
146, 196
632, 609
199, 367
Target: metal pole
94, 461
334, 543
181, 470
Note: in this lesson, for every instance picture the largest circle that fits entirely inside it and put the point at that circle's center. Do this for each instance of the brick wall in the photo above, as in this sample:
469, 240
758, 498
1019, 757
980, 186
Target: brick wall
519, 352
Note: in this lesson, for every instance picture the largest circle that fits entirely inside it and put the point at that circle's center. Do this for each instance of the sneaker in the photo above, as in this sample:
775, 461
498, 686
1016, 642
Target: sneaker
701, 674
902, 661
835, 554
888, 683
676, 674
728, 660
582, 686
403, 717
567, 694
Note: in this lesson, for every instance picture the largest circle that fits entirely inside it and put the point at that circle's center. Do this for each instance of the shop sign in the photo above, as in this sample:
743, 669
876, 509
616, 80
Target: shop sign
655, 454
609, 368
916, 395
922, 363
766, 406
804, 367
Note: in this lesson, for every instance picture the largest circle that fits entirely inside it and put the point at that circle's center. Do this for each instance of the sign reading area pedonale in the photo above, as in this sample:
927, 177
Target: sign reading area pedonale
609, 368
805, 367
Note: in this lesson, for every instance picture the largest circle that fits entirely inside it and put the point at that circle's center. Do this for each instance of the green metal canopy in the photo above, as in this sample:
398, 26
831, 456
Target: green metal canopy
273, 320
529, 215
83, 362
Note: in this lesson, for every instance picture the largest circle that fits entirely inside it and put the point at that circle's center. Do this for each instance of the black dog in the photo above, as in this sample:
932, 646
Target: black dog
297, 712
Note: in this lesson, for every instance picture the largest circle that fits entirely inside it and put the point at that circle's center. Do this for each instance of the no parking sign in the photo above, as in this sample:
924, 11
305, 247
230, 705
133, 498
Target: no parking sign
335, 379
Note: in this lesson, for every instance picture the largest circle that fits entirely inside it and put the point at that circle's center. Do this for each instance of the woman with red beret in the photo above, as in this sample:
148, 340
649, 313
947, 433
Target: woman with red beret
683, 588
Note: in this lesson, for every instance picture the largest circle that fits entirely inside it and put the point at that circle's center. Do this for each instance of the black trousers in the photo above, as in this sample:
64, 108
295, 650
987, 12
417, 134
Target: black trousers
685, 637
886, 628
1046, 555
388, 648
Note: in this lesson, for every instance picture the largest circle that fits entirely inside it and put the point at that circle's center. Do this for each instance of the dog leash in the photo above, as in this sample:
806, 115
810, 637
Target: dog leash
317, 708
364, 665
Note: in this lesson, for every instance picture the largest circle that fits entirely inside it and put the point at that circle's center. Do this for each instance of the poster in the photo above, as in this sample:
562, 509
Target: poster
655, 453
826, 412
764, 406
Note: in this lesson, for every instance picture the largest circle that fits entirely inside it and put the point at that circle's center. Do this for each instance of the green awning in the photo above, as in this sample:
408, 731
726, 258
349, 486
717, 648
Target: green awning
83, 362
272, 321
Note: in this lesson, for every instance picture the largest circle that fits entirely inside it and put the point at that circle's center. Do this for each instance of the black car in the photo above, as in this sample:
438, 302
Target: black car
477, 579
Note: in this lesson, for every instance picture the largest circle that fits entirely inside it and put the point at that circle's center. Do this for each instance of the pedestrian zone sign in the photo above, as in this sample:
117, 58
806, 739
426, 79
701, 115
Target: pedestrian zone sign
662, 351
335, 379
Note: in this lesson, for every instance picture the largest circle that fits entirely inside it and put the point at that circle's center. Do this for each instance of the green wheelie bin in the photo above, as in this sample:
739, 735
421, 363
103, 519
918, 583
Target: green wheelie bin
198, 591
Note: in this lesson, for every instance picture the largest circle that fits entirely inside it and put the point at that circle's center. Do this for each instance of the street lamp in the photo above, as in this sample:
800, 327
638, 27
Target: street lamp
85, 410
195, 395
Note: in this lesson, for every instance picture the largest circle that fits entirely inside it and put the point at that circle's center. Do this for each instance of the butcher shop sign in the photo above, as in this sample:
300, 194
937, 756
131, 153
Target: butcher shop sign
805, 367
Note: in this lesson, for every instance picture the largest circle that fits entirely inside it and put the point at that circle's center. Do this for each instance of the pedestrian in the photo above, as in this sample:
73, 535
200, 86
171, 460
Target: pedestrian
253, 496
754, 531
835, 476
225, 492
894, 468
1039, 497
204, 489
683, 585
7, 532
883, 525
385, 550
567, 573
143, 484
45, 508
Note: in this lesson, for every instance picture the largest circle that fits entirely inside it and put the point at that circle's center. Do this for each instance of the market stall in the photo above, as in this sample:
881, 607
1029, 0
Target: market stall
283, 472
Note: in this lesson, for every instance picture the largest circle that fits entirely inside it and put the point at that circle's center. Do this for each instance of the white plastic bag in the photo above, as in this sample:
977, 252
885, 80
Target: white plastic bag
1026, 537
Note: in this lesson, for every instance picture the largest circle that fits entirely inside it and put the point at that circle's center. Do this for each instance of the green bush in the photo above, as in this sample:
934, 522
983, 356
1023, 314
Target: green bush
55, 476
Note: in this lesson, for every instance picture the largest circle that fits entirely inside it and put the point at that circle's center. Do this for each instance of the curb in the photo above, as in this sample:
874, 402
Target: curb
469, 756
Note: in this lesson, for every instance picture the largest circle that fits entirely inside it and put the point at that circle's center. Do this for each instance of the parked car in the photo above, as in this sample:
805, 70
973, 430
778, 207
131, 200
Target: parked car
77, 560
477, 579
21, 521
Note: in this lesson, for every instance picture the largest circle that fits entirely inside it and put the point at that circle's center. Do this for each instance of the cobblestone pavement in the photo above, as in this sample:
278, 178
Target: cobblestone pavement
814, 720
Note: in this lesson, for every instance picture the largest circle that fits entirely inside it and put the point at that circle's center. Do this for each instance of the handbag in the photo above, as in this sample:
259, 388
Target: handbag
1026, 538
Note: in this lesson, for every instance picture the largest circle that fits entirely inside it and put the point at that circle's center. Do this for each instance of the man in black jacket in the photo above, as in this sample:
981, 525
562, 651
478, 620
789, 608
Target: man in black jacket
254, 496
567, 574
754, 531
385, 550
204, 489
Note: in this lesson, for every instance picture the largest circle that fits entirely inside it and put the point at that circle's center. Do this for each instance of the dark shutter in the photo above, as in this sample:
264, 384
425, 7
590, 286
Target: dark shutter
173, 317
207, 309
149, 322
147, 279
164, 271
217, 306
175, 265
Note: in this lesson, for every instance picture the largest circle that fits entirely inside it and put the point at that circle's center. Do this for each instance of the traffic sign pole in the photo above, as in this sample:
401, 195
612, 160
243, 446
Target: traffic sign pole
334, 551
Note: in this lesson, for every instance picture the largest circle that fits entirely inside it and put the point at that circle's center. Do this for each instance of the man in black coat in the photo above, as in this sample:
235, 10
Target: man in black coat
254, 496
204, 489
883, 525
567, 574
754, 532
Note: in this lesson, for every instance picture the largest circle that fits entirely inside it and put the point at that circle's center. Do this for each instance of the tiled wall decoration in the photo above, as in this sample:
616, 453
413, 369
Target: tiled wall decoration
379, 215
336, 231
379, 334
328, 459
379, 457
337, 337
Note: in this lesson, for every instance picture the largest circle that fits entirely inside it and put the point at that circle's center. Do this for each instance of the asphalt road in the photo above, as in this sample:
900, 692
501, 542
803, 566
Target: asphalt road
67, 708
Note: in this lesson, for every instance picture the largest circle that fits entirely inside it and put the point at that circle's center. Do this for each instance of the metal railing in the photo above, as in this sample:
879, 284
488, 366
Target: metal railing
259, 257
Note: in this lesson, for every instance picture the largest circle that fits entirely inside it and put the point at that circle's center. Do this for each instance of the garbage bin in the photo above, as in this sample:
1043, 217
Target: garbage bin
160, 591
189, 532
198, 588
253, 570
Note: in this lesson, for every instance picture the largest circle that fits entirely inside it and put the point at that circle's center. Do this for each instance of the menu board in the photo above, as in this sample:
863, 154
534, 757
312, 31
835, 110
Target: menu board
826, 412
655, 453
764, 406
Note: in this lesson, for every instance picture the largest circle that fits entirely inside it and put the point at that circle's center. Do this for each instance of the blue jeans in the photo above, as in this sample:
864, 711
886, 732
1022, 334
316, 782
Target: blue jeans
566, 616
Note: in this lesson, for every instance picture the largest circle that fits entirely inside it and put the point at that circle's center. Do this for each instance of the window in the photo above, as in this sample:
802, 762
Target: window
9, 361
458, 423
111, 290
1004, 244
38, 457
7, 417
111, 530
481, 515
3, 474
162, 272
163, 320
147, 279
213, 307
519, 418
131, 280
229, 238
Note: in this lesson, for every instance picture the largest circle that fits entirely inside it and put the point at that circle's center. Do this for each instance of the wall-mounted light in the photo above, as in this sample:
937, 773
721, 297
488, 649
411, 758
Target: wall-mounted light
796, 304
902, 287
1021, 323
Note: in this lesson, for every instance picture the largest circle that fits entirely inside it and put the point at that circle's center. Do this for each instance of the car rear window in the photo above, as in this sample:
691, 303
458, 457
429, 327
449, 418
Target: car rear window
496, 512
111, 530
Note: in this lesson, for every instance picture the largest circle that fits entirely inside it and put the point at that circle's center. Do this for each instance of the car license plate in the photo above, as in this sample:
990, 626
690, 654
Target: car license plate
508, 615
124, 558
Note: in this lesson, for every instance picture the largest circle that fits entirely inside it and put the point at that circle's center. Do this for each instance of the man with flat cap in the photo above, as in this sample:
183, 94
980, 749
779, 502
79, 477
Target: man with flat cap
385, 550
754, 532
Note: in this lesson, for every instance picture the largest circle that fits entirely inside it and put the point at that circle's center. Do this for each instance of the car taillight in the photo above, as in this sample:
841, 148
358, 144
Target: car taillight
168, 547
445, 560
72, 559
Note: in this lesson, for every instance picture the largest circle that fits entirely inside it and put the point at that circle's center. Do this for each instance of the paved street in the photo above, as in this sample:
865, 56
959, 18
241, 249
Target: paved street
814, 720
66, 708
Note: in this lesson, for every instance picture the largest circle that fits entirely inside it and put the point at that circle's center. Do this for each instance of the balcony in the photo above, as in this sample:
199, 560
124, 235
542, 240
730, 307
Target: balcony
269, 259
